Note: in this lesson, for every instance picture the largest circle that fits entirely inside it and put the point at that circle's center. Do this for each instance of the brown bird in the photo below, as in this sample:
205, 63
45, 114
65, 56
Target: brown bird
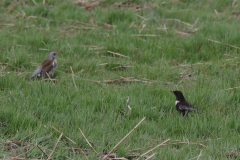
182, 105
47, 67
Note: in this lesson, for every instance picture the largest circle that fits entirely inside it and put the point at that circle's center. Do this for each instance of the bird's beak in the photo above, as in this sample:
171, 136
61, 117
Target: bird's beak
172, 91
57, 52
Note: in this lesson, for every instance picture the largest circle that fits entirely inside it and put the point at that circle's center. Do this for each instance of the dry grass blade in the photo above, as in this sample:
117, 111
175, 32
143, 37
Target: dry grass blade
43, 49
3, 63
120, 80
234, 3
50, 78
121, 67
199, 155
27, 143
7, 24
118, 54
8, 11
55, 146
153, 148
105, 157
129, 107
189, 65
73, 78
231, 56
128, 79
151, 156
183, 32
70, 141
146, 35
24, 153
103, 64
80, 27
196, 143
87, 5
173, 19
186, 32
88, 24
133, 155
216, 13
141, 17
224, 65
64, 135
230, 88
35, 2
43, 152
223, 44
87, 141
96, 48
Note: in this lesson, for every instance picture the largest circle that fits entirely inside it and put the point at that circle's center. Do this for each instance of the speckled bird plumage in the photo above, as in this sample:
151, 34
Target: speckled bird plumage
48, 66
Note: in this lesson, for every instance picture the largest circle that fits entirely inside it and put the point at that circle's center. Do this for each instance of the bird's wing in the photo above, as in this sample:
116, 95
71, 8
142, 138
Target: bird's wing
38, 71
186, 106
47, 66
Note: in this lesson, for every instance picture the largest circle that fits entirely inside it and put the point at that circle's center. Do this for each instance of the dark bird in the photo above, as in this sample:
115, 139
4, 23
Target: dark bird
47, 67
182, 105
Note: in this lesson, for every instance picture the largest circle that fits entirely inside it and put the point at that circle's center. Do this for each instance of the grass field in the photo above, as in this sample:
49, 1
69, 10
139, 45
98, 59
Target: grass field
186, 45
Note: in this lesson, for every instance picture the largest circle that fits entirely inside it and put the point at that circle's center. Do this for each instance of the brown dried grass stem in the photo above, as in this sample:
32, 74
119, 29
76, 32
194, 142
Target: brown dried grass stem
151, 156
223, 43
24, 153
50, 78
118, 54
27, 143
177, 20
199, 155
189, 65
73, 79
196, 143
87, 141
55, 146
70, 141
105, 157
231, 56
146, 35
230, 88
153, 148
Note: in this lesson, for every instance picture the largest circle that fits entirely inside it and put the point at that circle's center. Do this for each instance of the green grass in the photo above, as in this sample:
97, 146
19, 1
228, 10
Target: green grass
29, 108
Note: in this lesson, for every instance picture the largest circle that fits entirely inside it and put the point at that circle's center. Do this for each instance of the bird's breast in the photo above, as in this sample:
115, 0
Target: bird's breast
54, 63
176, 102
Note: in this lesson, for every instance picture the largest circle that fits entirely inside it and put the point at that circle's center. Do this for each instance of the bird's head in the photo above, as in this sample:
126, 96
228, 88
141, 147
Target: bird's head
179, 95
52, 55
